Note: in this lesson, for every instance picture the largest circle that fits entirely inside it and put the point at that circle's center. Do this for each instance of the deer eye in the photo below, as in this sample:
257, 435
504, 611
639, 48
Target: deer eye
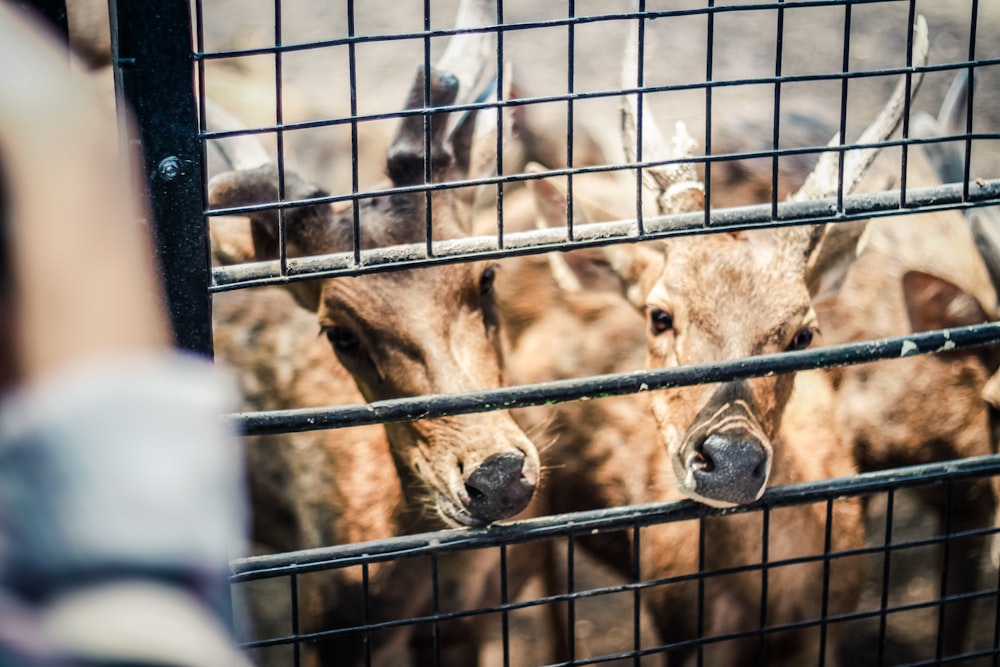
487, 279
660, 321
802, 339
342, 339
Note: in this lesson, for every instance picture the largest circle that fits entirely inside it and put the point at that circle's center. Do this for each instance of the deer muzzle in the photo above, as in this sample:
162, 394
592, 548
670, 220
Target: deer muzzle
729, 469
725, 458
499, 487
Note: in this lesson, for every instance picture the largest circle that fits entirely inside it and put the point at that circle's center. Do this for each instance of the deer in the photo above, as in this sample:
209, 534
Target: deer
958, 429
921, 273
607, 453
319, 488
706, 298
933, 301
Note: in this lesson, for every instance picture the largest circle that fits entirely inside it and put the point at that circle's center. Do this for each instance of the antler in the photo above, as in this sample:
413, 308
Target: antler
483, 154
468, 54
822, 181
452, 80
829, 246
674, 187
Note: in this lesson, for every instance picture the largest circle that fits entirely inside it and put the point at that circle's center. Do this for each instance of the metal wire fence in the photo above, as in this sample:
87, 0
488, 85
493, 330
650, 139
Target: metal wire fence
886, 628
763, 87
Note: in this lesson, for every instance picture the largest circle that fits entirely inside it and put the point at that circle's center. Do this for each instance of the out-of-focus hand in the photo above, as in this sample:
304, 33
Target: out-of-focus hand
83, 270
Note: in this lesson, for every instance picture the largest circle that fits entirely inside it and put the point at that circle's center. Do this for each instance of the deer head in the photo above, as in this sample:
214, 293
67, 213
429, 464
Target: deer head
713, 297
414, 332
732, 295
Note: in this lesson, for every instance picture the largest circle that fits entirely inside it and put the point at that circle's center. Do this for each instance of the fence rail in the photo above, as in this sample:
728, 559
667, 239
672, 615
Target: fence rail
613, 518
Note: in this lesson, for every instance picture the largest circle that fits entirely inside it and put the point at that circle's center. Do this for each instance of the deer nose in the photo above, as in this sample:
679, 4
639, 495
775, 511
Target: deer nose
498, 487
730, 470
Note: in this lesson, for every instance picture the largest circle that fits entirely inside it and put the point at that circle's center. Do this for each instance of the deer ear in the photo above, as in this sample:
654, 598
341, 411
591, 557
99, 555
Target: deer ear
460, 142
550, 199
830, 253
308, 228
405, 162
638, 266
946, 158
985, 225
935, 303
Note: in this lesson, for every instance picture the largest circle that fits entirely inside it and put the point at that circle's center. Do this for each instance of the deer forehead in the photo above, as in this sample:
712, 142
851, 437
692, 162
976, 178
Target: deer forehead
399, 219
422, 294
733, 287
400, 305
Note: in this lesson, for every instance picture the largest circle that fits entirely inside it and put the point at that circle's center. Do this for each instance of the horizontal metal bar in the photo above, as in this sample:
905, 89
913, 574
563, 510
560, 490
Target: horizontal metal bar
808, 623
616, 384
882, 204
579, 523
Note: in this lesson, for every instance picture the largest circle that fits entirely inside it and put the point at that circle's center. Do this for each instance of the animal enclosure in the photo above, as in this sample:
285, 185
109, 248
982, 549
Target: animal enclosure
535, 171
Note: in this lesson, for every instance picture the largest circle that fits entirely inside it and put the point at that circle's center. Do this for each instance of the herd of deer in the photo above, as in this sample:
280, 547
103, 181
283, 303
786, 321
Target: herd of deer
685, 300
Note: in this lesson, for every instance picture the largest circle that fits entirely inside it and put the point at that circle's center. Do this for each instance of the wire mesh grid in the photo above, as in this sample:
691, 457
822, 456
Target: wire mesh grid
875, 568
606, 616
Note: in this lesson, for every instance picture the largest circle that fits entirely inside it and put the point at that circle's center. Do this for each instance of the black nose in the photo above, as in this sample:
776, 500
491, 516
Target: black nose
729, 469
497, 487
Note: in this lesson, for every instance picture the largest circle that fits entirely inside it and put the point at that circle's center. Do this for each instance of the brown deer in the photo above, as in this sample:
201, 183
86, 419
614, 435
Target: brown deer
318, 488
720, 437
707, 298
920, 273
382, 335
607, 453
950, 305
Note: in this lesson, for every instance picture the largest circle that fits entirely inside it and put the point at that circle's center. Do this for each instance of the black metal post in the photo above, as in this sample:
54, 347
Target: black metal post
154, 76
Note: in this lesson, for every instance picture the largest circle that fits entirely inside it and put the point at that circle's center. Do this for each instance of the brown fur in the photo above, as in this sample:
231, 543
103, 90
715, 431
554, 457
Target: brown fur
926, 408
378, 326
606, 453
319, 488
367, 338
730, 296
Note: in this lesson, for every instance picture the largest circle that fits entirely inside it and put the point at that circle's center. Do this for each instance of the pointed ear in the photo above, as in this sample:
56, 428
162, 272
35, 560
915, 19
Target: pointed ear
935, 303
309, 229
637, 265
482, 145
550, 198
985, 225
460, 142
946, 158
550, 207
830, 253
405, 162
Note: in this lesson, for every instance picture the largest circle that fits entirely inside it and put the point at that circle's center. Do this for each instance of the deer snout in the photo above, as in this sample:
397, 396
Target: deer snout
499, 487
728, 470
